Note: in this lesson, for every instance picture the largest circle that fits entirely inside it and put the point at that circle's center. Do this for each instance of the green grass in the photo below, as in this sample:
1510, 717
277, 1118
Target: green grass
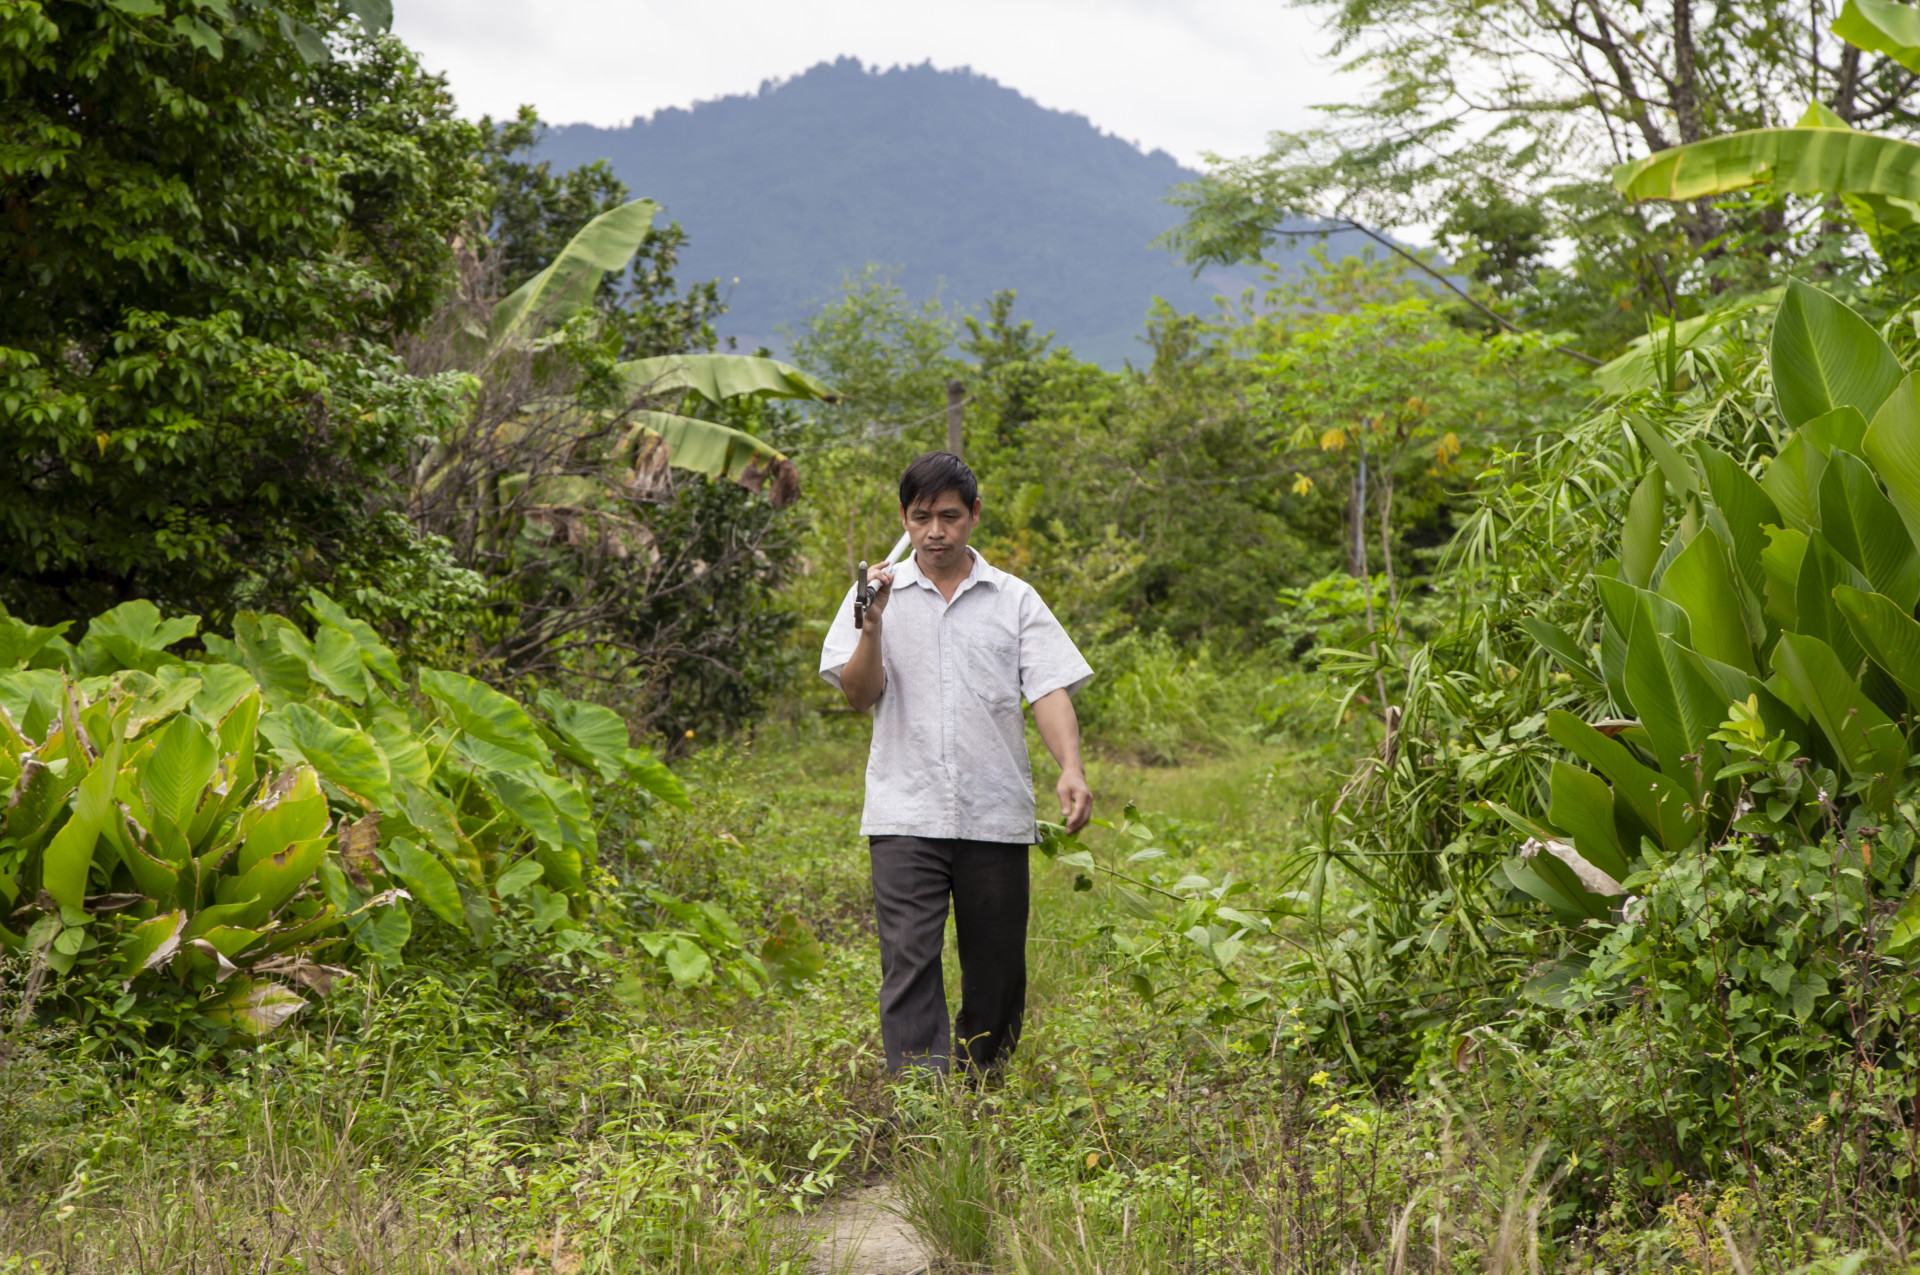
431, 1123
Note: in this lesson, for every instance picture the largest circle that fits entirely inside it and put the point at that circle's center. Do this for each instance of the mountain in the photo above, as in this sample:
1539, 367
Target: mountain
958, 181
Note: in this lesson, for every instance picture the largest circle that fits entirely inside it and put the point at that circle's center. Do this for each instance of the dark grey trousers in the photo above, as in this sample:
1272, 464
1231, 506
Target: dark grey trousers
912, 879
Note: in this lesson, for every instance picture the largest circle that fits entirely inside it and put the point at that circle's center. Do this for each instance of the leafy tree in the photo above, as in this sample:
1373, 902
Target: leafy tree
1493, 121
211, 244
1007, 355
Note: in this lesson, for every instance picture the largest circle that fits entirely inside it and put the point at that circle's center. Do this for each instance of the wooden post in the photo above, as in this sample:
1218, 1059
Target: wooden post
956, 391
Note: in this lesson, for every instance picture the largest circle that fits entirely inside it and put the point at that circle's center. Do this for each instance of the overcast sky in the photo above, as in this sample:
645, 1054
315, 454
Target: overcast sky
1204, 75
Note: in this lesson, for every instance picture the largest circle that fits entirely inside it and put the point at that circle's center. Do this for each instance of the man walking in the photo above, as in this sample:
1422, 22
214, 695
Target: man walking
949, 647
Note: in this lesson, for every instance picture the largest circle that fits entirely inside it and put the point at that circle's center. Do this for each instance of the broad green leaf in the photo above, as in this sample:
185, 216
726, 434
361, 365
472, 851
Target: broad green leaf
653, 775
1640, 537
151, 943
405, 755
718, 377
1880, 26
332, 659
273, 880
1867, 742
376, 16
1888, 634
792, 954
1821, 569
717, 451
1781, 561
299, 815
1864, 528
345, 758
589, 734
1792, 482
1660, 804
1904, 934
373, 651
1892, 443
428, 879
20, 642
485, 713
1747, 511
221, 686
1557, 643
67, 858
1801, 161
257, 647
527, 804
687, 962
1559, 889
178, 769
133, 635
1624, 609
1700, 582
517, 878
1583, 804
255, 1008
1679, 707
1679, 475
566, 286
1823, 355
1842, 429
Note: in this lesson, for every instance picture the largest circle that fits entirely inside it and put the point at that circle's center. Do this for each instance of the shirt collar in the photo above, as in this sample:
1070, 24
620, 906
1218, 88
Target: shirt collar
984, 573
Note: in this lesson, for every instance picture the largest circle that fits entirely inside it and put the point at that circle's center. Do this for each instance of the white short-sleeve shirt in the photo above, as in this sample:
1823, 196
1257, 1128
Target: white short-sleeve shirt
949, 756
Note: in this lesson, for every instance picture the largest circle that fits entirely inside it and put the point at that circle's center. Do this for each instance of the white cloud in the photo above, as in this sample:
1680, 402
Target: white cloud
1206, 75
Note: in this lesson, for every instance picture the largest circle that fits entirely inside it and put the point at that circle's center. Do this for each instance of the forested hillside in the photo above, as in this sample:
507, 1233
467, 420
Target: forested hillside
428, 844
947, 175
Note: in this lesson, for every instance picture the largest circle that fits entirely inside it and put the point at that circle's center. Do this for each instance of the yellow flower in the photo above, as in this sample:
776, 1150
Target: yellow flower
1333, 440
1302, 484
1318, 1078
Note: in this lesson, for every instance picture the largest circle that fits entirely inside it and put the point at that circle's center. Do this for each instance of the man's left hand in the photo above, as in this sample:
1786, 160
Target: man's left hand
1076, 799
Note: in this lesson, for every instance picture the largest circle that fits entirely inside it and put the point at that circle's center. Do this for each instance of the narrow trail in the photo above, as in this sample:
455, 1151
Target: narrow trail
858, 1235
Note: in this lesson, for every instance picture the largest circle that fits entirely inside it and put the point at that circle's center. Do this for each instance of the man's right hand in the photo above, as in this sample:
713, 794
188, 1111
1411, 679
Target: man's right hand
883, 576
864, 676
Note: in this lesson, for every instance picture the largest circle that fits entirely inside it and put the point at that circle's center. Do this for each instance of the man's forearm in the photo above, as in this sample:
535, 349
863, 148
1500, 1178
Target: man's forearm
864, 676
1059, 728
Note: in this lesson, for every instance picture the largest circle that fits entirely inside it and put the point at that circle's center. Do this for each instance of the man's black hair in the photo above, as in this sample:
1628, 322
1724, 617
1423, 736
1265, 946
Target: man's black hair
934, 474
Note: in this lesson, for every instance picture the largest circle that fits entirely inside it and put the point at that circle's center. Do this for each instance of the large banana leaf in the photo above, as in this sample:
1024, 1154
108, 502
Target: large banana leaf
1879, 26
567, 285
1803, 161
717, 451
1863, 526
718, 377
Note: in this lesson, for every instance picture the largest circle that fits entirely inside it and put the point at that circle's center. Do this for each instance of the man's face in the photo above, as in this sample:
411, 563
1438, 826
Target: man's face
939, 528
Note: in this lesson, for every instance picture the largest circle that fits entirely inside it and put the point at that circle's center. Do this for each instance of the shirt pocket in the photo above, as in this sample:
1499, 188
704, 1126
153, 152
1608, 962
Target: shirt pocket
992, 669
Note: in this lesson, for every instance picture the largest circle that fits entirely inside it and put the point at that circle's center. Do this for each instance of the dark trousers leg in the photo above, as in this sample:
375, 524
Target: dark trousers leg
912, 879
990, 923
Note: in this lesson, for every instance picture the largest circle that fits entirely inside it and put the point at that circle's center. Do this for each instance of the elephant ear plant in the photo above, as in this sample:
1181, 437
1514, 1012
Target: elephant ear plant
190, 846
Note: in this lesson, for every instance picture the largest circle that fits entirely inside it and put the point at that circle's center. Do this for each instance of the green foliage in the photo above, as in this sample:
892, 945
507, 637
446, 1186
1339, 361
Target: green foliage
193, 829
198, 398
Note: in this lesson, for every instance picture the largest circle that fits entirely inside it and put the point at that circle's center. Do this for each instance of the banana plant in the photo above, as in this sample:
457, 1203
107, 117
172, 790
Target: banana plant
1778, 607
530, 319
196, 827
1876, 177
